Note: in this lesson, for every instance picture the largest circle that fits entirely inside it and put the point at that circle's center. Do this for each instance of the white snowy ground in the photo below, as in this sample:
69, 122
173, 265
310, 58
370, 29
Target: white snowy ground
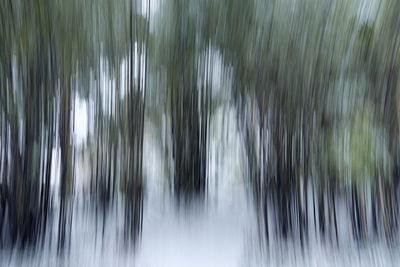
213, 235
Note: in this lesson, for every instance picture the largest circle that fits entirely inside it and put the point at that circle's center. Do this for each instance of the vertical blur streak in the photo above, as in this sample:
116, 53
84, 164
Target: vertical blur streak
188, 101
314, 86
315, 101
46, 62
27, 112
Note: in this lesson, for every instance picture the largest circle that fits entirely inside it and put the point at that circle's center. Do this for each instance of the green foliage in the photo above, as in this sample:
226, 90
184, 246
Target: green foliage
360, 148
